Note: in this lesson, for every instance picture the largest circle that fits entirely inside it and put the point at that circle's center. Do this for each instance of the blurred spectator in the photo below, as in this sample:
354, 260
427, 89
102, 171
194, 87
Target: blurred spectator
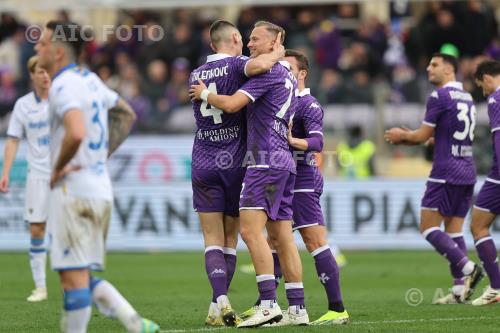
8, 26
177, 93
356, 155
183, 44
328, 44
153, 87
10, 53
150, 48
8, 91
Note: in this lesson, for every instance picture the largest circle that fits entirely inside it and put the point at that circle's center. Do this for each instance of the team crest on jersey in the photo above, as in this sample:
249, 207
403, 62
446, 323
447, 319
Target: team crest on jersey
435, 94
491, 100
314, 105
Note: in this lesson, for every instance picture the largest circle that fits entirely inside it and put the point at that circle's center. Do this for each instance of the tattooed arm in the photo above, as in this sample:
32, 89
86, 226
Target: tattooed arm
120, 121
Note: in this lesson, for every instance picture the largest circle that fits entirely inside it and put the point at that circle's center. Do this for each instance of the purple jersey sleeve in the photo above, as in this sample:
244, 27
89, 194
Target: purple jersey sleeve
434, 109
313, 126
496, 140
241, 65
257, 86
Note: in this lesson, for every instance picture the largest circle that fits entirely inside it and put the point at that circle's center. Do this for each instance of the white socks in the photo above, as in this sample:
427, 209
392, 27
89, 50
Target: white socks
111, 303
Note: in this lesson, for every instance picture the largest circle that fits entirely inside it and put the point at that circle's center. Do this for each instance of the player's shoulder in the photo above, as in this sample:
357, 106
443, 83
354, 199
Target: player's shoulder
494, 99
29, 98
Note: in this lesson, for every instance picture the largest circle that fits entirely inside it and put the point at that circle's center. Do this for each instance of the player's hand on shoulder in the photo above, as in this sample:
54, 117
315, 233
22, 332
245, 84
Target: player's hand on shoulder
196, 89
4, 184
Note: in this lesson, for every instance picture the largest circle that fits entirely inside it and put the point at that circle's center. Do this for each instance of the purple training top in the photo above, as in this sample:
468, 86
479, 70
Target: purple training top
451, 111
274, 102
308, 125
219, 134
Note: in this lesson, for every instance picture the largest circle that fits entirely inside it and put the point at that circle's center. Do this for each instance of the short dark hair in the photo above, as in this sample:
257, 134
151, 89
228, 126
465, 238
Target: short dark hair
216, 27
449, 59
273, 28
301, 58
487, 67
68, 33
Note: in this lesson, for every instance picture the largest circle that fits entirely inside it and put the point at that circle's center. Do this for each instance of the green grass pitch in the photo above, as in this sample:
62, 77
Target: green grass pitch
172, 289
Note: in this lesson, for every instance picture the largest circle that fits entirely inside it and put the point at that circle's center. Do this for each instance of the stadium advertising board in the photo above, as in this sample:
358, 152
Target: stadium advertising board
153, 207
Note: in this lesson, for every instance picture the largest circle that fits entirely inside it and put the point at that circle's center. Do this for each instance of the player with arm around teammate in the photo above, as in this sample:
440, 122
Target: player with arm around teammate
450, 118
217, 165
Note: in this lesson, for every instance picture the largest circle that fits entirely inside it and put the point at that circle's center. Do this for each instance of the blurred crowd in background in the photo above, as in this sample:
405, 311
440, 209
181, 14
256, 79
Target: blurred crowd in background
350, 56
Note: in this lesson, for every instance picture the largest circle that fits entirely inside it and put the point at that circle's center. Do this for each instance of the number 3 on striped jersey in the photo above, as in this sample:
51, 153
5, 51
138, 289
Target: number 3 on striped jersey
284, 108
208, 110
464, 115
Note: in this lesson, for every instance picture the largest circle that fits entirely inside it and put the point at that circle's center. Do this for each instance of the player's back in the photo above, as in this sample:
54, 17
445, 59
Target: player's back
76, 88
451, 111
218, 132
274, 96
308, 121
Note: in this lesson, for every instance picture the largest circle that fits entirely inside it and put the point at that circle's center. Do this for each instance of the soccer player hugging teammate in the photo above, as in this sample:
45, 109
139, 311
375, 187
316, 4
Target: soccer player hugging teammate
30, 118
81, 139
450, 117
487, 205
267, 190
306, 138
217, 165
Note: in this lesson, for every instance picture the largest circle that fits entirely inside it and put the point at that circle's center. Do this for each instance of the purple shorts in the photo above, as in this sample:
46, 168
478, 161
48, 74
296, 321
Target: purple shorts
307, 210
448, 199
270, 190
488, 198
217, 190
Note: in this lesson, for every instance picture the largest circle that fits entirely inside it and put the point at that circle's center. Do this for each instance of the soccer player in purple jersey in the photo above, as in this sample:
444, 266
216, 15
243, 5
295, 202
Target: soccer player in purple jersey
450, 118
268, 184
306, 138
487, 205
218, 151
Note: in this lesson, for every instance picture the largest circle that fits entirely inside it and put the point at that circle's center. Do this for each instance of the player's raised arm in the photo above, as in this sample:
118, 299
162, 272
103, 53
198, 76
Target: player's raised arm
120, 121
8, 158
265, 62
74, 125
397, 135
229, 104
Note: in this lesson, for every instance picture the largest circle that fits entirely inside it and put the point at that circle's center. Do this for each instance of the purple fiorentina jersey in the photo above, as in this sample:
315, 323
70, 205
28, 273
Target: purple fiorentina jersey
220, 140
451, 111
307, 123
274, 102
494, 115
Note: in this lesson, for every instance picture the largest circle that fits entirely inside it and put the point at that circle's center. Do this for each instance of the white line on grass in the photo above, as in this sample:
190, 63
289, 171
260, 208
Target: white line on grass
399, 321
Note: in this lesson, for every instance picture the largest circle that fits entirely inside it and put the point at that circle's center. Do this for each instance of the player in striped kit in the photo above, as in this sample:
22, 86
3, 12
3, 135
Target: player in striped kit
450, 118
306, 138
487, 205
30, 119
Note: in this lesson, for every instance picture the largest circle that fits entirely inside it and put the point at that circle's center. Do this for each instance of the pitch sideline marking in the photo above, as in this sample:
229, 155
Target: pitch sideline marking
400, 321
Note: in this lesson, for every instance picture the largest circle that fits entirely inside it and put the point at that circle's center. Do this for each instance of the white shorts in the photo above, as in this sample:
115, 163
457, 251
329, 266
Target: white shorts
77, 228
37, 200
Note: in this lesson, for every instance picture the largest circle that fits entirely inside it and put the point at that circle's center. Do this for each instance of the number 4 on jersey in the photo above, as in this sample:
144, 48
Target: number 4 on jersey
208, 110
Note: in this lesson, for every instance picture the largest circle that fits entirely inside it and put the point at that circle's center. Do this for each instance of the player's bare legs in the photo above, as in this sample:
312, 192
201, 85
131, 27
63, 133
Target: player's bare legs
430, 222
231, 231
38, 259
212, 225
487, 252
281, 237
252, 223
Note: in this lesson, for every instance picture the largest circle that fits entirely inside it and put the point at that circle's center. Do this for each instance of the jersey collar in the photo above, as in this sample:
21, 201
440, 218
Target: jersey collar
217, 56
65, 68
304, 92
37, 98
285, 63
454, 84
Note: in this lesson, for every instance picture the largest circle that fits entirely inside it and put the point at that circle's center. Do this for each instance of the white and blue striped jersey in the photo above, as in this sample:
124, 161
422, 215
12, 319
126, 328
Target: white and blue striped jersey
30, 119
77, 88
